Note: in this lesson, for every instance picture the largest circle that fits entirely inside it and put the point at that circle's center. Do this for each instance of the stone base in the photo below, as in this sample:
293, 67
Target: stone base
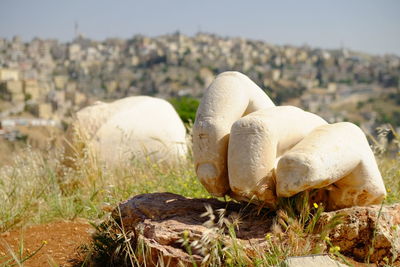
163, 220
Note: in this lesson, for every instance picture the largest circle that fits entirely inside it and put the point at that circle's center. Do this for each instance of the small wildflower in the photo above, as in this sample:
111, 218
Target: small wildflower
389, 190
327, 238
386, 260
334, 249
268, 236
44, 242
185, 234
315, 205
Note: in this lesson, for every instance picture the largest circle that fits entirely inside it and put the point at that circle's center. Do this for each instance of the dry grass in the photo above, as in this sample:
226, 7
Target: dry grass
295, 233
37, 188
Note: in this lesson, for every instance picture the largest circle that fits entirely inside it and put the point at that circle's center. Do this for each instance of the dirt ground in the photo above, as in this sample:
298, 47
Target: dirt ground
61, 243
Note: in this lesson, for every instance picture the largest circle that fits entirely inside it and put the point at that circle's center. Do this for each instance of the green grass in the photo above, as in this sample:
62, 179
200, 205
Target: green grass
294, 233
33, 190
390, 169
17, 258
186, 107
37, 188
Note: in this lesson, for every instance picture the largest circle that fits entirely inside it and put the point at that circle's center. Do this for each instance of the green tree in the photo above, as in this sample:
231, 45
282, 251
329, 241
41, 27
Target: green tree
186, 107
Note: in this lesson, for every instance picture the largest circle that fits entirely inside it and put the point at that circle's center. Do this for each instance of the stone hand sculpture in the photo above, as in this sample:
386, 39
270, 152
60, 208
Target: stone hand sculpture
246, 147
137, 127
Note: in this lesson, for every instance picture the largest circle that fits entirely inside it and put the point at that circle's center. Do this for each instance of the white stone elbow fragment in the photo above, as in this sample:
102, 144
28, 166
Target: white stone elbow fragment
230, 96
257, 141
338, 155
133, 128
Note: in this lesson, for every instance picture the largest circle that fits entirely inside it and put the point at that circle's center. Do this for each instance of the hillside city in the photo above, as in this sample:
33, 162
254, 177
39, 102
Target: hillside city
44, 81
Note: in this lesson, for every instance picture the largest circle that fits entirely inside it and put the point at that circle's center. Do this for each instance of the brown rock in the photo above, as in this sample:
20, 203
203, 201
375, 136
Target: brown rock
364, 227
163, 220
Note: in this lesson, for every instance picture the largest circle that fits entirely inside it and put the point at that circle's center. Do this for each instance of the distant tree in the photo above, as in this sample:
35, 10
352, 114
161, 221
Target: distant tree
186, 107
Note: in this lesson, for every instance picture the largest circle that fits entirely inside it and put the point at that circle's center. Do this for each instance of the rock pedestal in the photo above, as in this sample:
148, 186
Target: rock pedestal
163, 220
364, 227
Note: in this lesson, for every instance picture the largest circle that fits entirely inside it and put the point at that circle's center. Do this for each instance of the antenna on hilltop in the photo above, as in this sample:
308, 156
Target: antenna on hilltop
76, 29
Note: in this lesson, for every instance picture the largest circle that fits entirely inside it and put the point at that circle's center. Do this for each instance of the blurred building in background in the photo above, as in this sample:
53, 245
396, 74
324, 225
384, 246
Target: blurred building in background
51, 80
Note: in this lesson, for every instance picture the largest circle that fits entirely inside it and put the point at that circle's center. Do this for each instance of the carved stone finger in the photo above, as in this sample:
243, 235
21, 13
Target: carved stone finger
229, 97
337, 154
255, 143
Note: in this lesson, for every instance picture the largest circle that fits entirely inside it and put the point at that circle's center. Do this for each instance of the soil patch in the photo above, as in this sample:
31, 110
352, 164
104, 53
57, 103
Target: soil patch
61, 243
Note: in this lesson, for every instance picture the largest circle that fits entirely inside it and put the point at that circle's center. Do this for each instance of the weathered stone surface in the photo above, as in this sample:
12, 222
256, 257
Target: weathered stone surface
313, 261
360, 224
162, 219
246, 147
136, 127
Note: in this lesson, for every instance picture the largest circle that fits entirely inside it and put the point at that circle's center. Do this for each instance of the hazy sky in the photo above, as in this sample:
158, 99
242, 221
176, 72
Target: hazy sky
364, 25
